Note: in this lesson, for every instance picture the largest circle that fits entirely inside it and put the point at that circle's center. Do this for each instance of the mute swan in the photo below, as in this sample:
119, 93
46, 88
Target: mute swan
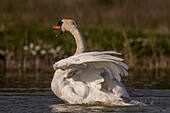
92, 78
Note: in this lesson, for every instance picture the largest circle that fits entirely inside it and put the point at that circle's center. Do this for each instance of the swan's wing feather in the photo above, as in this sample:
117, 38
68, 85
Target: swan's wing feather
99, 70
99, 60
89, 76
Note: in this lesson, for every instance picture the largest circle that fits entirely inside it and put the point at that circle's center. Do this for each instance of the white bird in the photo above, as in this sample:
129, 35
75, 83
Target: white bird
92, 78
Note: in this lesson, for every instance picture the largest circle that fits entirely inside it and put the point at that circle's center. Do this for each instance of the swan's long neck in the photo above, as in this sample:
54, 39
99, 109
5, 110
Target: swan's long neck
80, 41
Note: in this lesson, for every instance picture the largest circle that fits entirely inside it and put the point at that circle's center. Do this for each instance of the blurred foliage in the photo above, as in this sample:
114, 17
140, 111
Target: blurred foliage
117, 13
146, 24
141, 42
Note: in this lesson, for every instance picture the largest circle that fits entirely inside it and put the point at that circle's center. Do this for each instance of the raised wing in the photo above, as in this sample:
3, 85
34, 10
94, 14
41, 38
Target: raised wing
96, 60
100, 70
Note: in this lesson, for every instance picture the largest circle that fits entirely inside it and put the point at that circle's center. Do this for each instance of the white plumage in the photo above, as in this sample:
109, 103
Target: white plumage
95, 60
89, 77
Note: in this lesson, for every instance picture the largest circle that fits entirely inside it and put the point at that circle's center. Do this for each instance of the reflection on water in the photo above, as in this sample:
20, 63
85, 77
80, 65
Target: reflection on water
21, 100
31, 93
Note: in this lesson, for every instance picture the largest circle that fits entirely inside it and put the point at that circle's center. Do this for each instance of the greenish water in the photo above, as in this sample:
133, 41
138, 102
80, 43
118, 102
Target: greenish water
31, 93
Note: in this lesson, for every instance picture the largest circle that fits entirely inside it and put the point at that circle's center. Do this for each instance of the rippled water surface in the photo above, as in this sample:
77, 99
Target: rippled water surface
31, 93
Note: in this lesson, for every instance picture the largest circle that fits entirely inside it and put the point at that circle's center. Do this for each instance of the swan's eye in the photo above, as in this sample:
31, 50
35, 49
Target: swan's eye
60, 23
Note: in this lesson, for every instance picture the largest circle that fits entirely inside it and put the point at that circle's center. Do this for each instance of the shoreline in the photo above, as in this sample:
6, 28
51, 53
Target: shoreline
44, 65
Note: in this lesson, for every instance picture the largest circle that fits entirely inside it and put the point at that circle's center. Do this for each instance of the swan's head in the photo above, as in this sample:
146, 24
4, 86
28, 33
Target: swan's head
65, 25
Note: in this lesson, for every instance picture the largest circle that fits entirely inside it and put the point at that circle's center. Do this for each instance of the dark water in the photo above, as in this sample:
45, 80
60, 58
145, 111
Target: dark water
31, 94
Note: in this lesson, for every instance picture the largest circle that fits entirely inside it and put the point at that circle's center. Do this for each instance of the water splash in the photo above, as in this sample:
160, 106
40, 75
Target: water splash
142, 102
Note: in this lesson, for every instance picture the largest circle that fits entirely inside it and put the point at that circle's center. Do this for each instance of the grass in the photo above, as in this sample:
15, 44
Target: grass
31, 46
141, 42
118, 13
139, 29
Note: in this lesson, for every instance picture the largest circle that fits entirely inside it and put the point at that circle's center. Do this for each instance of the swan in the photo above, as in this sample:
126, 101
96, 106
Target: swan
90, 78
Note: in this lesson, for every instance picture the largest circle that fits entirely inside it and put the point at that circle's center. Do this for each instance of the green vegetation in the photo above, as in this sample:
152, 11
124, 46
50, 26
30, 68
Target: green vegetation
142, 43
139, 29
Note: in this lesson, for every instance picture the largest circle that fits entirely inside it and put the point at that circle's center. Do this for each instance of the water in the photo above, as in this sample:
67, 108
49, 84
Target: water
31, 93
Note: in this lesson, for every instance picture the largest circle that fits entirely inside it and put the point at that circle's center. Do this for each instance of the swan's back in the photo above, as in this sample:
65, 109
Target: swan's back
93, 76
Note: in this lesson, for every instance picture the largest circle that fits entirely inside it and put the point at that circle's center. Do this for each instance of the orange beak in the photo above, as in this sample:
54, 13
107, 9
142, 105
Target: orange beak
56, 27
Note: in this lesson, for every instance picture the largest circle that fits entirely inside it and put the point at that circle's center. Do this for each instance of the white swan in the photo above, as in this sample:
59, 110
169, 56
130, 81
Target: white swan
89, 77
